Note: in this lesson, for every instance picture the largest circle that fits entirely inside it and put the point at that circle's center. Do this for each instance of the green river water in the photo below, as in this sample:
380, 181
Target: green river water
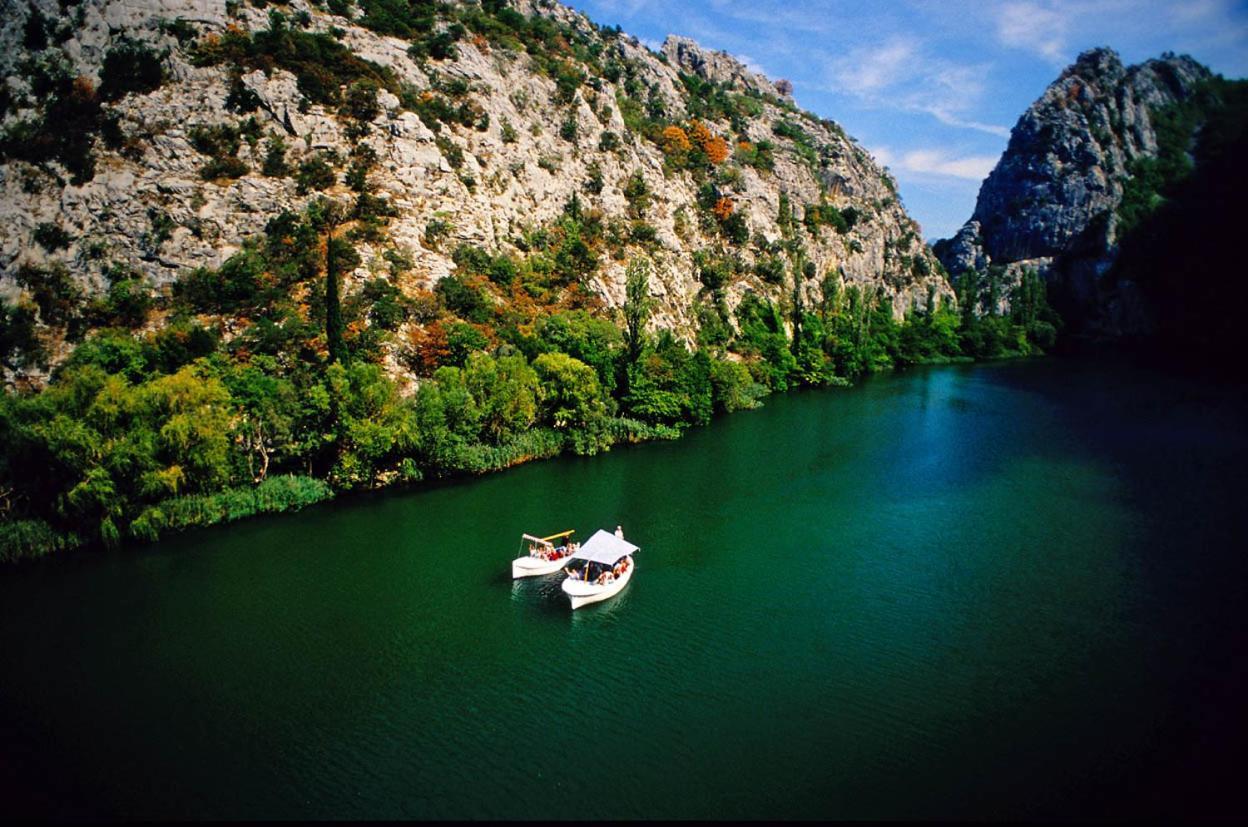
996, 590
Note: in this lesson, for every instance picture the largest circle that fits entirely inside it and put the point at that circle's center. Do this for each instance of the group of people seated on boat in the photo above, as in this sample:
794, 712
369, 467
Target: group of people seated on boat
600, 574
552, 553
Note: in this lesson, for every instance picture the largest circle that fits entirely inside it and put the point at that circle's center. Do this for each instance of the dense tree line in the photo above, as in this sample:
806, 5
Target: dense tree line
140, 433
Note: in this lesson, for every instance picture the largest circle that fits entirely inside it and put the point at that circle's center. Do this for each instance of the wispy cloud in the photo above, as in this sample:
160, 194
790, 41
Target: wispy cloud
872, 70
751, 64
623, 8
1036, 28
1055, 30
937, 83
902, 74
936, 162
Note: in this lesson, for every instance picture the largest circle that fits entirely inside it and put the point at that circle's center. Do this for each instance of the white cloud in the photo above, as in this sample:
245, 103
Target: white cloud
626, 8
952, 120
1196, 10
870, 70
1036, 28
902, 75
935, 163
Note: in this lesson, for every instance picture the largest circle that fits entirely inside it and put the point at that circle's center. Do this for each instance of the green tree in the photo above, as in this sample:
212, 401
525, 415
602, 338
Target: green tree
732, 387
267, 408
505, 391
594, 341
375, 429
669, 385
762, 337
571, 397
340, 257
637, 307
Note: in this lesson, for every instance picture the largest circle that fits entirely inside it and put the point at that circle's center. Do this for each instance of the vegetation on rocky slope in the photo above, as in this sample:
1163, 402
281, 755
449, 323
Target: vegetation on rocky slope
282, 376
1118, 189
143, 433
1179, 218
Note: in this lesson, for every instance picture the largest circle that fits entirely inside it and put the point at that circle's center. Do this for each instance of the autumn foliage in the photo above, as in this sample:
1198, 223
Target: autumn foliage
723, 208
678, 143
699, 132
675, 140
716, 149
428, 348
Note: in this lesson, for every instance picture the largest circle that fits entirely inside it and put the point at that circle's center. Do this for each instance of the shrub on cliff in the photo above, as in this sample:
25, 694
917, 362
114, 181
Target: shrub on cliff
130, 66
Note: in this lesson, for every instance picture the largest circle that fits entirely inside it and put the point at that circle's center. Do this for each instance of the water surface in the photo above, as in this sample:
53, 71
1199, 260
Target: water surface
997, 590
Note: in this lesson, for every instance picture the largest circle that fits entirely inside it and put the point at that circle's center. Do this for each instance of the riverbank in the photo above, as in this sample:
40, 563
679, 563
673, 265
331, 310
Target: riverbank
32, 539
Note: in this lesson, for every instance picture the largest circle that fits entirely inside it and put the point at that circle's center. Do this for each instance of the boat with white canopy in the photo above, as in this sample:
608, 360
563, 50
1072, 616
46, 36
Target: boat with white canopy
600, 568
543, 556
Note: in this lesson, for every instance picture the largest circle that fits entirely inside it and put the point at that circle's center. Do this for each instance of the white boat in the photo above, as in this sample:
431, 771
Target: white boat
543, 556
602, 556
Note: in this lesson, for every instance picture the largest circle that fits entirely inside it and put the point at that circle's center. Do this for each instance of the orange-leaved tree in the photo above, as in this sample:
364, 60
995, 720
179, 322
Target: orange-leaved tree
675, 140
716, 149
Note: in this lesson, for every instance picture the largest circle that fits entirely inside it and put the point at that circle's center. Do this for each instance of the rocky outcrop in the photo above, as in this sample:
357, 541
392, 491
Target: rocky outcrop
517, 168
1050, 203
719, 67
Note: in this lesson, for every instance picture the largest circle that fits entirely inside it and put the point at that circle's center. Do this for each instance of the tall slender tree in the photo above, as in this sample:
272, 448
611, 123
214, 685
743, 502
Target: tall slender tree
339, 255
637, 307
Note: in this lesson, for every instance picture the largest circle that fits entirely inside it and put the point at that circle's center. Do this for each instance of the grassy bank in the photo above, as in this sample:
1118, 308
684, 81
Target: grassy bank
33, 538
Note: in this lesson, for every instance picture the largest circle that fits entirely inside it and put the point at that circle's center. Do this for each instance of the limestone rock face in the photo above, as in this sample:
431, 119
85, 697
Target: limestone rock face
1050, 202
516, 173
715, 66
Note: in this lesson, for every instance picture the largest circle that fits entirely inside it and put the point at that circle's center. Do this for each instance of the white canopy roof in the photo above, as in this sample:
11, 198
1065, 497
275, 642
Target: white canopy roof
604, 547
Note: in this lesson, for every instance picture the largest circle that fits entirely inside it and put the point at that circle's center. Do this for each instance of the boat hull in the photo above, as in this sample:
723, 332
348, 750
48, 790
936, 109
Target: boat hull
581, 593
534, 566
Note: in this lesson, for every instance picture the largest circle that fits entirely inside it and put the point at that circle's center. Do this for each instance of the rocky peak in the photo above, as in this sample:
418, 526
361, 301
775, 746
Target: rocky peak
1100, 65
717, 66
1050, 203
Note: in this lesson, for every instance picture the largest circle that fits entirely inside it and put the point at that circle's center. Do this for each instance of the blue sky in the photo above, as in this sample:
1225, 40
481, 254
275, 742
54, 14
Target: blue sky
932, 88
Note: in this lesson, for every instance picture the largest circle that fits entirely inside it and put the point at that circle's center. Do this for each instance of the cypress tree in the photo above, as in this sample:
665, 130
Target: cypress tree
333, 306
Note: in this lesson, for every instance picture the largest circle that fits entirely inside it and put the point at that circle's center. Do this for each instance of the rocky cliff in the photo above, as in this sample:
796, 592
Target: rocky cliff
468, 135
1052, 203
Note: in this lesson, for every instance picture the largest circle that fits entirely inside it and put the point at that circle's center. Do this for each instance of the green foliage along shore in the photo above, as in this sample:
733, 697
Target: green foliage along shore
143, 433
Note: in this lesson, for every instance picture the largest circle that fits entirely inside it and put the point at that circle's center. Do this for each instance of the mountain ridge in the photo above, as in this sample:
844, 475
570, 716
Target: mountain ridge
1092, 155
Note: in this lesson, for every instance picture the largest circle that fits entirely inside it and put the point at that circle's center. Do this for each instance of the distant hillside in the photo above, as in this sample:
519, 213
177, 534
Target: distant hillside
1108, 157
